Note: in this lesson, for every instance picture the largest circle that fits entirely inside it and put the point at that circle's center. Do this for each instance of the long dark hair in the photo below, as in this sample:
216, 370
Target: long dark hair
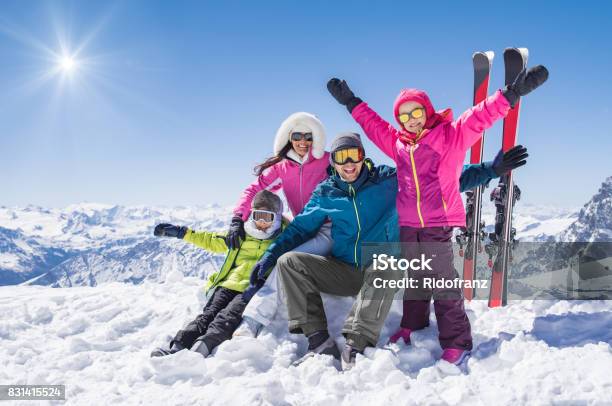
273, 160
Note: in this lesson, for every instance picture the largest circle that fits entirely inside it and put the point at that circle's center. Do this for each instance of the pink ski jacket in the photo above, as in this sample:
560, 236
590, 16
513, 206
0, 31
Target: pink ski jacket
429, 165
297, 180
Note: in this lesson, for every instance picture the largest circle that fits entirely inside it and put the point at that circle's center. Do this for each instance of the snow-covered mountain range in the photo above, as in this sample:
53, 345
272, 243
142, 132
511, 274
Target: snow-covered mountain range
89, 244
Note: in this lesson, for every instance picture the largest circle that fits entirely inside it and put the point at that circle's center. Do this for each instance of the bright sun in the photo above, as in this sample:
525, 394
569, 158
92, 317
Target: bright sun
67, 64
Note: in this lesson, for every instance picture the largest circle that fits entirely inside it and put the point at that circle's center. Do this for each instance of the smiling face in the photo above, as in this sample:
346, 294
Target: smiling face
349, 171
301, 147
414, 125
262, 225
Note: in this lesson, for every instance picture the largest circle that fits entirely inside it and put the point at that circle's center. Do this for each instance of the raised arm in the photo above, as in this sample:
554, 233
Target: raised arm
468, 128
471, 124
379, 131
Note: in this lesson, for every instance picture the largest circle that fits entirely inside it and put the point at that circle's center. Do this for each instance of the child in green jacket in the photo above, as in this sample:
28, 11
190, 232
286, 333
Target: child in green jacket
223, 312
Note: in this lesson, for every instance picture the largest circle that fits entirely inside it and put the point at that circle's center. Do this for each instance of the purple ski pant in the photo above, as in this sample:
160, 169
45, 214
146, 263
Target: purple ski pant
453, 324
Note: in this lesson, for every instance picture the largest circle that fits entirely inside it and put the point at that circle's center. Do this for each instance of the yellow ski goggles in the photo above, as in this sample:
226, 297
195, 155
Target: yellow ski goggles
416, 114
343, 156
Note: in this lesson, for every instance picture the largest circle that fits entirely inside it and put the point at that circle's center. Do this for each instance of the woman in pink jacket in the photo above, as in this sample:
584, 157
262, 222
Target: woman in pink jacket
429, 150
299, 164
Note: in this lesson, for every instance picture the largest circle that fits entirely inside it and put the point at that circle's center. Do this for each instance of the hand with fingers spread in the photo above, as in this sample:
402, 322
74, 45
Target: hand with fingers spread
510, 160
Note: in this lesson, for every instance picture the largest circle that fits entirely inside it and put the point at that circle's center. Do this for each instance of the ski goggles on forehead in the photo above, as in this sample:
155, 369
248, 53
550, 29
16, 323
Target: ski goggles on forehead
263, 215
343, 156
416, 114
301, 136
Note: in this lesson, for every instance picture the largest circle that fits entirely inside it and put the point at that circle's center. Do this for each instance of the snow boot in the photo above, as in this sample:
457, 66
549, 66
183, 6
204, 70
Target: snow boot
320, 342
403, 333
200, 347
348, 357
248, 328
455, 356
173, 348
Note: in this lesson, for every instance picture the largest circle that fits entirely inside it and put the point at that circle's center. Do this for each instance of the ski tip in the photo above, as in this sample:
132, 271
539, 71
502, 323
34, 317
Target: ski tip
523, 51
488, 54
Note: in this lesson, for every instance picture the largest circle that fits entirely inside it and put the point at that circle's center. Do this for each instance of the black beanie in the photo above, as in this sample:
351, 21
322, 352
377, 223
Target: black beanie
344, 141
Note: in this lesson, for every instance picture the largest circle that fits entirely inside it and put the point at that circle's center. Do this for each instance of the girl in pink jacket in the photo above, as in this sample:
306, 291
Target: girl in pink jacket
429, 150
299, 164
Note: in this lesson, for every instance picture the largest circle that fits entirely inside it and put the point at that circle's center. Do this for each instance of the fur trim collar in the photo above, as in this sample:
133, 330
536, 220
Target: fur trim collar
293, 155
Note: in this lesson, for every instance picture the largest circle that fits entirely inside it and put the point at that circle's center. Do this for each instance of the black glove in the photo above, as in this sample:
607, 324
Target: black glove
169, 230
235, 233
258, 274
525, 82
249, 292
514, 158
343, 94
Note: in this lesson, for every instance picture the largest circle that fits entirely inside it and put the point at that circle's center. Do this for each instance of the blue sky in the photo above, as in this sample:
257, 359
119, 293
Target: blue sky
174, 102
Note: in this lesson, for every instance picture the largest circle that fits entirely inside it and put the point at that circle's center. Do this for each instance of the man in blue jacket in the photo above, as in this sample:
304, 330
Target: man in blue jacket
359, 200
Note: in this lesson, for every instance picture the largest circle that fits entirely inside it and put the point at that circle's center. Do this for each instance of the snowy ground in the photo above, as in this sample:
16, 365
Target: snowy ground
97, 341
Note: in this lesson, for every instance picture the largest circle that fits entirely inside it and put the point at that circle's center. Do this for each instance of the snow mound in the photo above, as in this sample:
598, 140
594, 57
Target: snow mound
97, 342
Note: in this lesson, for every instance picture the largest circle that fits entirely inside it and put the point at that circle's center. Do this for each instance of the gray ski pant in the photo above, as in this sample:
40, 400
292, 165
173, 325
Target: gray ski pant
305, 276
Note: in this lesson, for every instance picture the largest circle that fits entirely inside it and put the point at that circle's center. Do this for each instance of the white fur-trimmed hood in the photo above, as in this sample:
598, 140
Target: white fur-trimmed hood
302, 122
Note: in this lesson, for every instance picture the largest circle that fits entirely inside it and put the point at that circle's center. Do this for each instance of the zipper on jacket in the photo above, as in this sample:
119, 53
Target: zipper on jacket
352, 190
443, 203
416, 182
301, 196
379, 308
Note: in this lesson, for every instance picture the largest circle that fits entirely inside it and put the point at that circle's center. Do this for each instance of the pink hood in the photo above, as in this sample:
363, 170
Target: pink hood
434, 118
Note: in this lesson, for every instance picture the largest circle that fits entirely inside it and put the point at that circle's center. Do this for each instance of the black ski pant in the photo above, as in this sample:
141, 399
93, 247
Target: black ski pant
217, 322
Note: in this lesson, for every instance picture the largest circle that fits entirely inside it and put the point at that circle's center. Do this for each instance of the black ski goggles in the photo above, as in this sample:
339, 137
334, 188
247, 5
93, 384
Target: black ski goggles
263, 215
301, 136
353, 155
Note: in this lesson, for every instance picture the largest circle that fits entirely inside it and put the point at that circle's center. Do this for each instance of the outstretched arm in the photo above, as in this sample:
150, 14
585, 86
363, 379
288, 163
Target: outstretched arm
468, 128
213, 242
475, 175
379, 131
471, 124
303, 227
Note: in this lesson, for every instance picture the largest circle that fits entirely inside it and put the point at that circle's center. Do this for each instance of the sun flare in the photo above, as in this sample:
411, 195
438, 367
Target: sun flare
67, 64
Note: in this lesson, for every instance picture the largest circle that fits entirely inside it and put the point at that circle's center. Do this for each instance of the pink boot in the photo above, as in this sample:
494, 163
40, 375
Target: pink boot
404, 333
455, 356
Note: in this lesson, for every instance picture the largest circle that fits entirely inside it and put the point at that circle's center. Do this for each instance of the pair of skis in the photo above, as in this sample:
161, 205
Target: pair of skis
501, 241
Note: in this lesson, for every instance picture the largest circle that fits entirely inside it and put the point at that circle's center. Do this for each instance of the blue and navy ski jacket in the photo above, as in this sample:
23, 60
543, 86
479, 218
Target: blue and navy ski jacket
361, 211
